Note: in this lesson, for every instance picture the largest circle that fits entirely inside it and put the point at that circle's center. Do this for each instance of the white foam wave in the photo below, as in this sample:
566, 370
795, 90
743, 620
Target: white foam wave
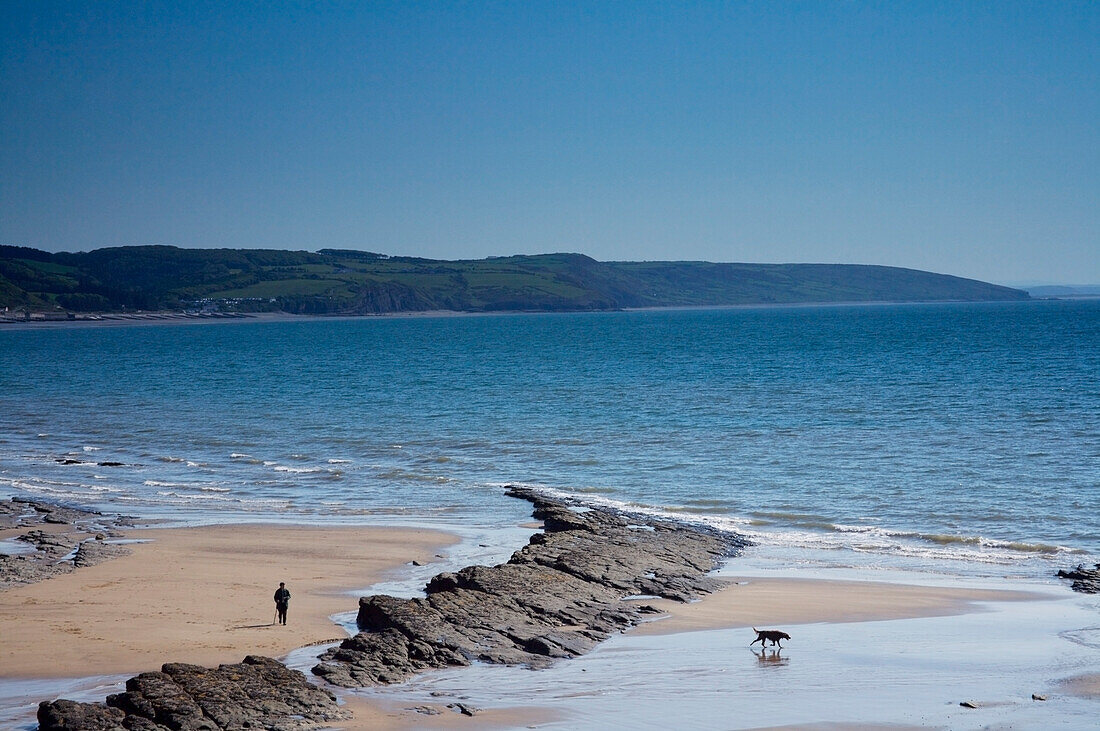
91, 449
239, 455
176, 498
339, 461
201, 486
859, 539
298, 470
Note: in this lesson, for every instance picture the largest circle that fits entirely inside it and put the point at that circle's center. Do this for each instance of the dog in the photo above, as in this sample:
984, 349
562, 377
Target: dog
769, 634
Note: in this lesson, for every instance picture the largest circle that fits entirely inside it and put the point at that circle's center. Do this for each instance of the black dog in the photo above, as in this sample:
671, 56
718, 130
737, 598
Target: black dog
769, 634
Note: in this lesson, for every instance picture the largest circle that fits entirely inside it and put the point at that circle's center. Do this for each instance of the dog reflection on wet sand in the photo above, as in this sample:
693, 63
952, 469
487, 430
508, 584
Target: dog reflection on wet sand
770, 658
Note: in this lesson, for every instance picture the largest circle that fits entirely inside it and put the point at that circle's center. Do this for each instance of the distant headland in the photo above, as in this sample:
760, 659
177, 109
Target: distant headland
343, 282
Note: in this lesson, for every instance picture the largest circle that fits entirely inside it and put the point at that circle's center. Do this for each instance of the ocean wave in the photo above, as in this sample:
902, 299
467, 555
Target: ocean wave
834, 536
176, 498
240, 455
38, 481
200, 486
407, 476
949, 539
170, 459
91, 449
298, 470
339, 461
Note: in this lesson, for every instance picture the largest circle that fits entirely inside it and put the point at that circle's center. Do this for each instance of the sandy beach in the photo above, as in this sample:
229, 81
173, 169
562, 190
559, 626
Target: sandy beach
199, 595
203, 595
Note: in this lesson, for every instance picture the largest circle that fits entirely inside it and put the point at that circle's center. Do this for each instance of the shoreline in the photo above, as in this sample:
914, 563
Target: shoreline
180, 318
327, 567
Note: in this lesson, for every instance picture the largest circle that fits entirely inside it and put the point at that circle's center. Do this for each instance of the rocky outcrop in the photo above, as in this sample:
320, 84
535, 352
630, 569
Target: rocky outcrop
65, 538
557, 597
1086, 581
582, 579
259, 693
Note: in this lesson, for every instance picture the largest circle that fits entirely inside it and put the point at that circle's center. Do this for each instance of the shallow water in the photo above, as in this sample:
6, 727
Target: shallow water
913, 671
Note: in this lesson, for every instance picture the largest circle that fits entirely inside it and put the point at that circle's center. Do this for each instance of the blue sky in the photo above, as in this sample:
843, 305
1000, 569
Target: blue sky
955, 137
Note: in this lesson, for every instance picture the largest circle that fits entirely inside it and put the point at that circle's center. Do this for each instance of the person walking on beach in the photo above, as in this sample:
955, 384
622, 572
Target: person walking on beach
282, 600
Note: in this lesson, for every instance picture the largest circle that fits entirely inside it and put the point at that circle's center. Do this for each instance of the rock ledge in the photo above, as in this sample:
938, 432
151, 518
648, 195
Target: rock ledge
1086, 581
571, 587
259, 693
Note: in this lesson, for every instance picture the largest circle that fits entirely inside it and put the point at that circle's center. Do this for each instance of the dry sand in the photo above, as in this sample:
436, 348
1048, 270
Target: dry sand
765, 603
198, 595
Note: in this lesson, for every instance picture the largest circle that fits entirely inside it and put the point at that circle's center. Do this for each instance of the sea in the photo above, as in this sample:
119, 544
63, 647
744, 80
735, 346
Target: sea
955, 442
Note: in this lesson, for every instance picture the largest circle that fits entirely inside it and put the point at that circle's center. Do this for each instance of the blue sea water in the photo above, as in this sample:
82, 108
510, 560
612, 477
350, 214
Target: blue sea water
954, 437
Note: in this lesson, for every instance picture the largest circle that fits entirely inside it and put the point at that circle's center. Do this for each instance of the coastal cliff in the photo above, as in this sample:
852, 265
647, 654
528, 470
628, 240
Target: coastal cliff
331, 281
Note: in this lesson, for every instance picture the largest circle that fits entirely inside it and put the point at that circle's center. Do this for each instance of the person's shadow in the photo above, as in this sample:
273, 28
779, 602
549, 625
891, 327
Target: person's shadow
770, 658
252, 626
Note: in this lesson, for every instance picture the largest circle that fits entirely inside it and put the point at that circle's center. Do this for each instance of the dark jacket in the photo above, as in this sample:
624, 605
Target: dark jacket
282, 596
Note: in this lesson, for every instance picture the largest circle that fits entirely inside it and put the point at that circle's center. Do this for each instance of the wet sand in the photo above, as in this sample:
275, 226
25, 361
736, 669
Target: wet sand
1085, 686
766, 603
375, 715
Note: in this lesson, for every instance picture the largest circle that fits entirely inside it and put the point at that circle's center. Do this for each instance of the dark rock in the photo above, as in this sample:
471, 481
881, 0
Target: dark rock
54, 552
425, 710
258, 693
1037, 697
1086, 581
111, 464
90, 553
51, 544
63, 715
15, 570
557, 597
969, 704
464, 709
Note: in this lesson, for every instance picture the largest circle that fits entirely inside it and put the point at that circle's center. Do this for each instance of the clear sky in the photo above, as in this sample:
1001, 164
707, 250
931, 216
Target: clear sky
952, 136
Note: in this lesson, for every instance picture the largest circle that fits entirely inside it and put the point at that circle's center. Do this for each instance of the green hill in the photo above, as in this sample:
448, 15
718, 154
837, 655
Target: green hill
334, 281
